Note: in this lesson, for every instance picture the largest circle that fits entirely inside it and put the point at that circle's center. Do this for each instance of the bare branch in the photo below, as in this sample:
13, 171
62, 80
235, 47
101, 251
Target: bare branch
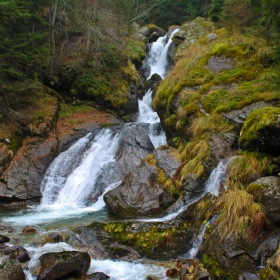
148, 10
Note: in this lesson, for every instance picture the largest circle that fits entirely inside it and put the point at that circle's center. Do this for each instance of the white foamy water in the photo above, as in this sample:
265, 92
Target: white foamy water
217, 177
197, 242
146, 114
157, 57
117, 270
45, 214
74, 189
35, 254
120, 270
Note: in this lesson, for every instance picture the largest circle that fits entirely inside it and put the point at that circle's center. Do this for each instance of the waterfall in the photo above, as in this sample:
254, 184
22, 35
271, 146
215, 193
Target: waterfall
74, 189
158, 55
217, 177
147, 115
197, 241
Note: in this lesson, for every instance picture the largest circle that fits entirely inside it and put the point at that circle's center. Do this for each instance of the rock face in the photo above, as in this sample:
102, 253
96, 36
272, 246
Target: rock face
189, 33
57, 265
220, 63
24, 175
261, 131
140, 192
11, 271
239, 116
266, 191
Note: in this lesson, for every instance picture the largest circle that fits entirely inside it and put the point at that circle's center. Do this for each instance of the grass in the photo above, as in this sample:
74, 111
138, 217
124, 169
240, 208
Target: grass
242, 167
67, 110
237, 213
258, 120
205, 125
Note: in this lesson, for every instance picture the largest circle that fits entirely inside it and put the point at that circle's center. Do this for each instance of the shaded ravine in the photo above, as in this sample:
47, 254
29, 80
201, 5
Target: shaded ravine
73, 186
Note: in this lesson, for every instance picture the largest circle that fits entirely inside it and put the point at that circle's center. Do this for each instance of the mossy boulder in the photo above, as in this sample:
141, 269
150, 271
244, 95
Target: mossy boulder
267, 192
154, 240
261, 131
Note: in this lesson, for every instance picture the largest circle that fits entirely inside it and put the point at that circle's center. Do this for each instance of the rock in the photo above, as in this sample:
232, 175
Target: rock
248, 276
155, 35
220, 63
149, 29
35, 156
138, 239
4, 239
56, 265
28, 230
98, 276
138, 194
211, 37
5, 157
167, 161
238, 116
17, 253
261, 131
266, 192
189, 33
11, 271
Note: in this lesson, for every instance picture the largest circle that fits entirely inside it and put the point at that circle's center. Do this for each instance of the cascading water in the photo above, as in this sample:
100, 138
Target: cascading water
158, 62
158, 55
72, 178
75, 189
217, 177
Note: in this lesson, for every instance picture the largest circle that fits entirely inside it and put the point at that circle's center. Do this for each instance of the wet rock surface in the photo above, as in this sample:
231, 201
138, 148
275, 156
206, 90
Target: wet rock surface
57, 265
266, 191
11, 270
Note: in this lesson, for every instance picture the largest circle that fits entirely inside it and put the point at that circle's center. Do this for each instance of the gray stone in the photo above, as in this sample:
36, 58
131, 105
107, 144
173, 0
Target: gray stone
59, 264
269, 196
220, 63
239, 116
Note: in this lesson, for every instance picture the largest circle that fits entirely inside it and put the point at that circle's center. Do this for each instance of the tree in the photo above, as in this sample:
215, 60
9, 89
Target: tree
22, 39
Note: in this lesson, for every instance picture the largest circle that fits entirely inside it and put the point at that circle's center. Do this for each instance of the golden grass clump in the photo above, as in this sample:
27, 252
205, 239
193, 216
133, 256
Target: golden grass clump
241, 168
193, 154
237, 213
204, 125
274, 261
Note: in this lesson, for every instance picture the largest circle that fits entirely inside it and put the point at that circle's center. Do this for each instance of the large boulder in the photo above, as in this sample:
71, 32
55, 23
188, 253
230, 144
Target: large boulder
11, 271
17, 253
24, 175
261, 131
141, 191
59, 264
139, 194
266, 191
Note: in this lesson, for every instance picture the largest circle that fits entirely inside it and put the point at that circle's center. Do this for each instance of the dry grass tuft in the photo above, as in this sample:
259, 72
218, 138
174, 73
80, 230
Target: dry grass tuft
237, 212
259, 224
242, 167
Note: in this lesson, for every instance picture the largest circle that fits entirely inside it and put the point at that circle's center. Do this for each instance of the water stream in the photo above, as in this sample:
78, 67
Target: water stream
73, 187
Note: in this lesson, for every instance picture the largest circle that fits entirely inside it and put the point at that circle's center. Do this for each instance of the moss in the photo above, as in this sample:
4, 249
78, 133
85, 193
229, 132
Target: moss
145, 240
256, 190
15, 141
215, 269
268, 273
258, 121
136, 50
67, 110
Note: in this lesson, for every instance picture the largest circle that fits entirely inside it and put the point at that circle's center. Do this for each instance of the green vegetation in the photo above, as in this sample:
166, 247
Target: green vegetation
258, 121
